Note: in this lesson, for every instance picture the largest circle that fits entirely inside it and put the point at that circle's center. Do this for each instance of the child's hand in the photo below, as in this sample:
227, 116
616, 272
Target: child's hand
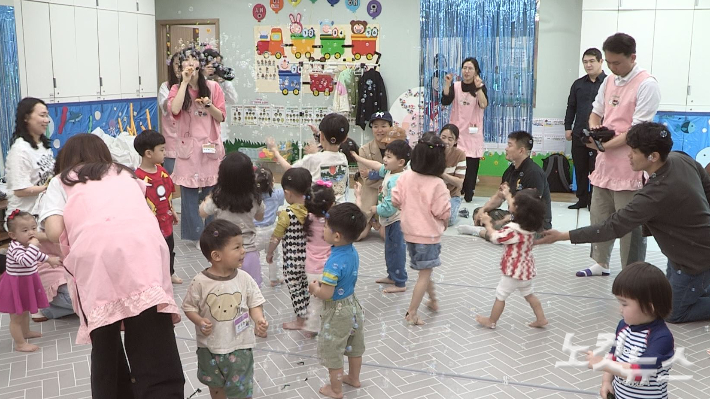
34, 241
373, 210
54, 261
260, 327
271, 144
270, 257
358, 189
485, 218
607, 389
313, 287
311, 147
206, 326
593, 360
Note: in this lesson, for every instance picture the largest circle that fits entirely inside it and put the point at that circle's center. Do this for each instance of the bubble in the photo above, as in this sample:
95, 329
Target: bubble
56, 143
341, 291
348, 348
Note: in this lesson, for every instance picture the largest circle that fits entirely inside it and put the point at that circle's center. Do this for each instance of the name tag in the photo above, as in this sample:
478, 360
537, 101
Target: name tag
241, 323
209, 148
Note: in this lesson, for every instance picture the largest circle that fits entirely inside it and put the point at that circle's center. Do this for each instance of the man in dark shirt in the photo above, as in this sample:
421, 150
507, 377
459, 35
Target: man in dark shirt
579, 106
674, 206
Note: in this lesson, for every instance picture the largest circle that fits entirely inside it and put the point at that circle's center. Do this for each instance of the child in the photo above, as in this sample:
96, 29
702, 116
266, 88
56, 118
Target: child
220, 301
119, 263
424, 200
159, 191
273, 198
289, 227
342, 331
634, 367
395, 159
318, 202
517, 265
21, 291
330, 164
235, 198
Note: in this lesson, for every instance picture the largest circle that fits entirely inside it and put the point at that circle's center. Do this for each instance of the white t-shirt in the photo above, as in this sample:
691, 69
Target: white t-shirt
328, 166
26, 167
52, 201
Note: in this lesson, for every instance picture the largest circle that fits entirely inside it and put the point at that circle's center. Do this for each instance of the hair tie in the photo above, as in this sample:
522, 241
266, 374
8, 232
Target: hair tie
324, 183
13, 214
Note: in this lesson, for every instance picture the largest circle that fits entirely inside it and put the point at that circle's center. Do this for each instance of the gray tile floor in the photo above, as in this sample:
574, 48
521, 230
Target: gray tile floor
449, 357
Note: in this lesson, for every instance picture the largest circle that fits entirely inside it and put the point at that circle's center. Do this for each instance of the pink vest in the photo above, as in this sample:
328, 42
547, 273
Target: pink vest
465, 112
115, 253
317, 249
612, 169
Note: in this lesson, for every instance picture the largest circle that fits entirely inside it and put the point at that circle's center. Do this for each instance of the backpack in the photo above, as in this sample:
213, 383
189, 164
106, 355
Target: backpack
557, 172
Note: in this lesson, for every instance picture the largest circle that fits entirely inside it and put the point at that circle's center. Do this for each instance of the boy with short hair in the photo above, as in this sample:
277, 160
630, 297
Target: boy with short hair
342, 331
150, 145
396, 157
328, 165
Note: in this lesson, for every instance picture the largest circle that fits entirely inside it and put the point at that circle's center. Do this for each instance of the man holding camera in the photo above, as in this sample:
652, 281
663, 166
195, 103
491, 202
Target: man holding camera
627, 97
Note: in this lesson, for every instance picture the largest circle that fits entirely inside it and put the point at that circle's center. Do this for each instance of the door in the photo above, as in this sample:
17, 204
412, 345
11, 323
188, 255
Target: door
147, 70
64, 58
596, 27
673, 31
87, 70
38, 50
109, 59
698, 82
128, 52
181, 36
638, 24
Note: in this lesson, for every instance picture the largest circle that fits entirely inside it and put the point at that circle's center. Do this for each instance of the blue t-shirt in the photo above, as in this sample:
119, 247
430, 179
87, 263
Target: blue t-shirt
341, 270
271, 206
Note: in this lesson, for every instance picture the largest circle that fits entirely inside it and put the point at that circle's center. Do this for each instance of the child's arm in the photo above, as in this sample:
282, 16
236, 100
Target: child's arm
607, 385
374, 165
321, 290
30, 256
441, 203
206, 207
260, 323
282, 223
397, 194
271, 146
385, 208
190, 305
204, 324
259, 215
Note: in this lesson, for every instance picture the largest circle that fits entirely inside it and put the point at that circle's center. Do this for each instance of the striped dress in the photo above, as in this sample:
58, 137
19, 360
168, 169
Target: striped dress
21, 288
517, 261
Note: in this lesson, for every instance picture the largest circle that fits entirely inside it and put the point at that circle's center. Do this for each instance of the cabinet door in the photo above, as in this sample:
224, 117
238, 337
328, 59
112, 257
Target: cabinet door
596, 27
675, 4
108, 5
146, 7
147, 70
128, 51
637, 24
87, 72
85, 3
673, 31
38, 50
608, 5
63, 2
126, 5
109, 60
702, 4
698, 82
64, 58
637, 4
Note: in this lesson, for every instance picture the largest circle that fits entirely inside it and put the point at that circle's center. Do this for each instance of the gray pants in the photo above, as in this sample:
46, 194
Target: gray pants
633, 245
60, 305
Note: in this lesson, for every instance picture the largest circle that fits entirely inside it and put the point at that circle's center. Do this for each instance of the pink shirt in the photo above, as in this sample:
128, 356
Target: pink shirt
317, 250
465, 112
425, 204
168, 123
195, 165
612, 169
52, 277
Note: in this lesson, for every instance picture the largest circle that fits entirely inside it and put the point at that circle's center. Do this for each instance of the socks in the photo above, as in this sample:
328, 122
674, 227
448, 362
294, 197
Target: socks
594, 270
469, 230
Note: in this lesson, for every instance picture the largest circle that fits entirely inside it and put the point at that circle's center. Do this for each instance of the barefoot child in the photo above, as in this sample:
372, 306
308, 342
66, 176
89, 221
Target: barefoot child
634, 367
273, 198
342, 331
395, 159
424, 200
220, 301
318, 202
296, 182
517, 265
21, 291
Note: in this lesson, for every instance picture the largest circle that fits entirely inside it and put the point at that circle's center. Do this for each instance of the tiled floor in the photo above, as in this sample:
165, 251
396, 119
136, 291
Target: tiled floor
449, 357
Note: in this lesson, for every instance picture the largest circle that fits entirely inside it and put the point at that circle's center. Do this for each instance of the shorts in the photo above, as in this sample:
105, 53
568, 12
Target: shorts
341, 333
508, 285
233, 371
423, 256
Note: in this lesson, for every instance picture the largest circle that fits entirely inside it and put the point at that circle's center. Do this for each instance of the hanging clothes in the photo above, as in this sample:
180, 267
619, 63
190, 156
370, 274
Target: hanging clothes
344, 92
372, 96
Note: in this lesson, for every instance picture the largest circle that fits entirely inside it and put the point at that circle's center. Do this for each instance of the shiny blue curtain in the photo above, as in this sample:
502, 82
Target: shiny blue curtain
501, 35
9, 79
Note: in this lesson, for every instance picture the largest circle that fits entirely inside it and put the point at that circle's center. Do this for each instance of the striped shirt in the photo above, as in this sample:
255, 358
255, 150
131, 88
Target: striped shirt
517, 261
23, 261
652, 341
455, 166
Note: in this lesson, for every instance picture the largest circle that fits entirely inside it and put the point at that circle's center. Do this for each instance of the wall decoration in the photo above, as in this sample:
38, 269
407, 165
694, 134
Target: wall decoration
276, 5
9, 76
295, 27
352, 5
333, 2
294, 2
407, 111
259, 12
313, 1
266, 75
374, 8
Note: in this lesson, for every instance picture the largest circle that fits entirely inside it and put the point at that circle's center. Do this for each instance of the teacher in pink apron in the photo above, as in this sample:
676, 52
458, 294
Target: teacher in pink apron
468, 99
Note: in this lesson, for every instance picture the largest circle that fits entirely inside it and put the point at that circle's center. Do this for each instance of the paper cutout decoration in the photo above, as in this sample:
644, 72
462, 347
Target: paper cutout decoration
259, 12
374, 8
294, 2
333, 2
352, 5
313, 1
295, 26
276, 5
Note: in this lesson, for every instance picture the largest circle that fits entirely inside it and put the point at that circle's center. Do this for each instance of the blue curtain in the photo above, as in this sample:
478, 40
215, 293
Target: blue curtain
9, 79
501, 35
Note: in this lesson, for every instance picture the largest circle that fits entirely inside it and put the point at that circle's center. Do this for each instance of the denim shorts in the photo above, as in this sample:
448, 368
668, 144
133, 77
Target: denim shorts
423, 256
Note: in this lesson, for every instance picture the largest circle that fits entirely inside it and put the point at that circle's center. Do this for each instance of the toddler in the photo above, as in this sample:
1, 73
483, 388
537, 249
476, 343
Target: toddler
273, 198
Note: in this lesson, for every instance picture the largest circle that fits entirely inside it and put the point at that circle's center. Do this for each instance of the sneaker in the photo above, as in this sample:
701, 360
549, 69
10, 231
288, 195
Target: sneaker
197, 245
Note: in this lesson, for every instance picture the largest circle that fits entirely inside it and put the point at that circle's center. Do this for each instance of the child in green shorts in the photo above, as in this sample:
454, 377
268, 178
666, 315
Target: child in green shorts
220, 301
341, 331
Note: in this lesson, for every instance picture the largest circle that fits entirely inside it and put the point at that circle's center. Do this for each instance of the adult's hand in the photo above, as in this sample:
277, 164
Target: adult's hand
187, 74
448, 79
478, 82
568, 135
552, 236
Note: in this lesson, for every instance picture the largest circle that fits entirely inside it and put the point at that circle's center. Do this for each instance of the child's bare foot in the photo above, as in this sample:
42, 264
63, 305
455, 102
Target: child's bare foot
33, 334
26, 347
309, 334
293, 325
538, 323
352, 381
327, 390
175, 279
433, 305
393, 289
276, 282
413, 319
485, 321
384, 280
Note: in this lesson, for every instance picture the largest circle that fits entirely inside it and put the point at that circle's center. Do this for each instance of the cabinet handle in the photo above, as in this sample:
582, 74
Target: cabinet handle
54, 82
138, 7
140, 80
697, 3
101, 81
688, 90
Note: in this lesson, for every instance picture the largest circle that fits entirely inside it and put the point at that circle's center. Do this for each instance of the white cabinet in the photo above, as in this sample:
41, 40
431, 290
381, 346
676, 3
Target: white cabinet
85, 3
698, 82
675, 4
638, 24
600, 5
147, 71
62, 2
109, 60
596, 27
38, 54
146, 7
637, 4
673, 31
62, 22
128, 34
87, 42
127, 5
702, 4
108, 5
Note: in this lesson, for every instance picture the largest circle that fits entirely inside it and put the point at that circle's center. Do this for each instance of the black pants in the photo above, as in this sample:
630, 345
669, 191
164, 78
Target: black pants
583, 158
469, 182
171, 248
152, 353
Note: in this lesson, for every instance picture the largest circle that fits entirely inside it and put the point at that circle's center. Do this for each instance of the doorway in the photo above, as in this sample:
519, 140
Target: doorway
174, 35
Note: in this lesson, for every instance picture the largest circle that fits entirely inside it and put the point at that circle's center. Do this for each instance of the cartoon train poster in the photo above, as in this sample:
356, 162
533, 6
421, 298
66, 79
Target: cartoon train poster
279, 49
